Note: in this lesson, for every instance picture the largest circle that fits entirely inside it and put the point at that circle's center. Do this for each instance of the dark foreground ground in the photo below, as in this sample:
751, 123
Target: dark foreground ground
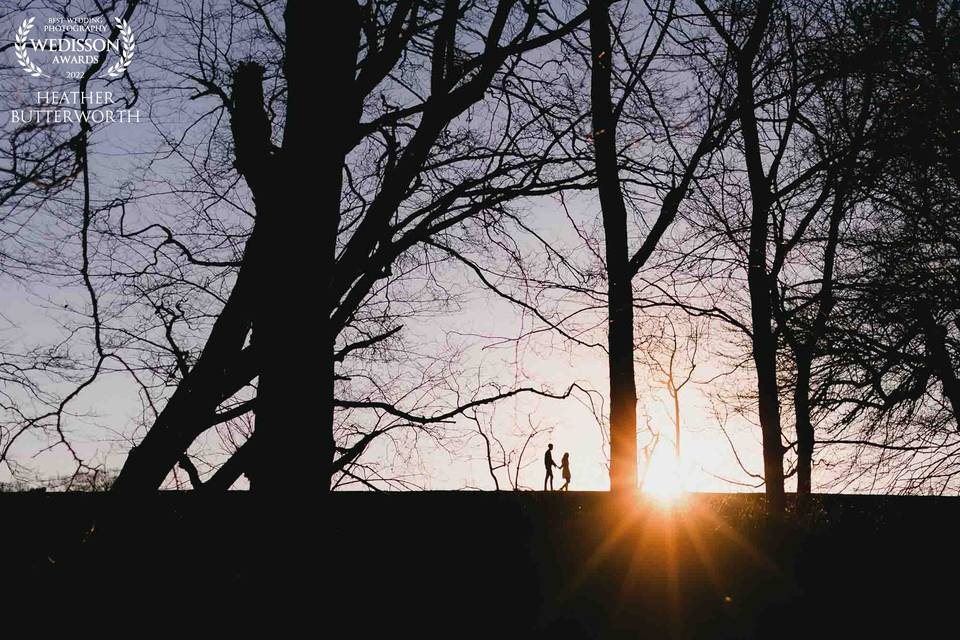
464, 565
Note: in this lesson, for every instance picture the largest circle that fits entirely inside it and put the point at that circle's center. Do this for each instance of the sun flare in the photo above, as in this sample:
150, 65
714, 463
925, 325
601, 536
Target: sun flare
664, 479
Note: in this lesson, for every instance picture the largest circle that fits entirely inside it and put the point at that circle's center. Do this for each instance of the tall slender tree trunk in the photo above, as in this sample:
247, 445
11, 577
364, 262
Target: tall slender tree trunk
676, 420
764, 358
806, 352
758, 281
805, 433
623, 392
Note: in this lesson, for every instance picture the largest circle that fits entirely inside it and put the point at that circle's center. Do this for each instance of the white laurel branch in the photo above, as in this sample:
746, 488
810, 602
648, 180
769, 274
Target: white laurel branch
118, 68
20, 49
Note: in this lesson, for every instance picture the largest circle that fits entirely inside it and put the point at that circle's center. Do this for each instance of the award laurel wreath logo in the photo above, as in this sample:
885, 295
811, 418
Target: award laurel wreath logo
127, 41
126, 56
20, 49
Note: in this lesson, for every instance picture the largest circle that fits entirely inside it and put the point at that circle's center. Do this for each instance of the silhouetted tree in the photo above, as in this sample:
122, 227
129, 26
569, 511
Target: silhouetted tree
351, 234
621, 262
672, 358
889, 373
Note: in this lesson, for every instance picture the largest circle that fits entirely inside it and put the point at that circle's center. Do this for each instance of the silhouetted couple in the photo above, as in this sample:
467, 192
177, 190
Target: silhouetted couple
564, 467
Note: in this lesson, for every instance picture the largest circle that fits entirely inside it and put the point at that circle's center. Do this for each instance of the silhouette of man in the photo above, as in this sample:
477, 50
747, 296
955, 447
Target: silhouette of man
549, 464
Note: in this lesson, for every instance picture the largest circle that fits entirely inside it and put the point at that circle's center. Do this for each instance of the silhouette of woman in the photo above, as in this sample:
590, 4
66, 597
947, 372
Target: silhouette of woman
565, 471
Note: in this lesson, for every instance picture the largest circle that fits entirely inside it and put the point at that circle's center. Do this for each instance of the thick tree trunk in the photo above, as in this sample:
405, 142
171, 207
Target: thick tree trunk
292, 329
292, 461
623, 393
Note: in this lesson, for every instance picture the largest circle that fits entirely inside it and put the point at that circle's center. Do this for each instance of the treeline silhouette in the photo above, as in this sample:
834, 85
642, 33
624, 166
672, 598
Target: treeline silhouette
785, 172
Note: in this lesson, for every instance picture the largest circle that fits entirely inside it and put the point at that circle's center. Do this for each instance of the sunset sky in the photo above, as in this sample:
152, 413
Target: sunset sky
488, 336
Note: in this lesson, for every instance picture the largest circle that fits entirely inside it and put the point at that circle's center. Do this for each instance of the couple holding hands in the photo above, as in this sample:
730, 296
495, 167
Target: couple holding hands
564, 467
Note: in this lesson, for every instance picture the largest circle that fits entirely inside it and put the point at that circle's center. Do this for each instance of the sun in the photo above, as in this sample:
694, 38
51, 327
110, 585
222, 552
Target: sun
664, 479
